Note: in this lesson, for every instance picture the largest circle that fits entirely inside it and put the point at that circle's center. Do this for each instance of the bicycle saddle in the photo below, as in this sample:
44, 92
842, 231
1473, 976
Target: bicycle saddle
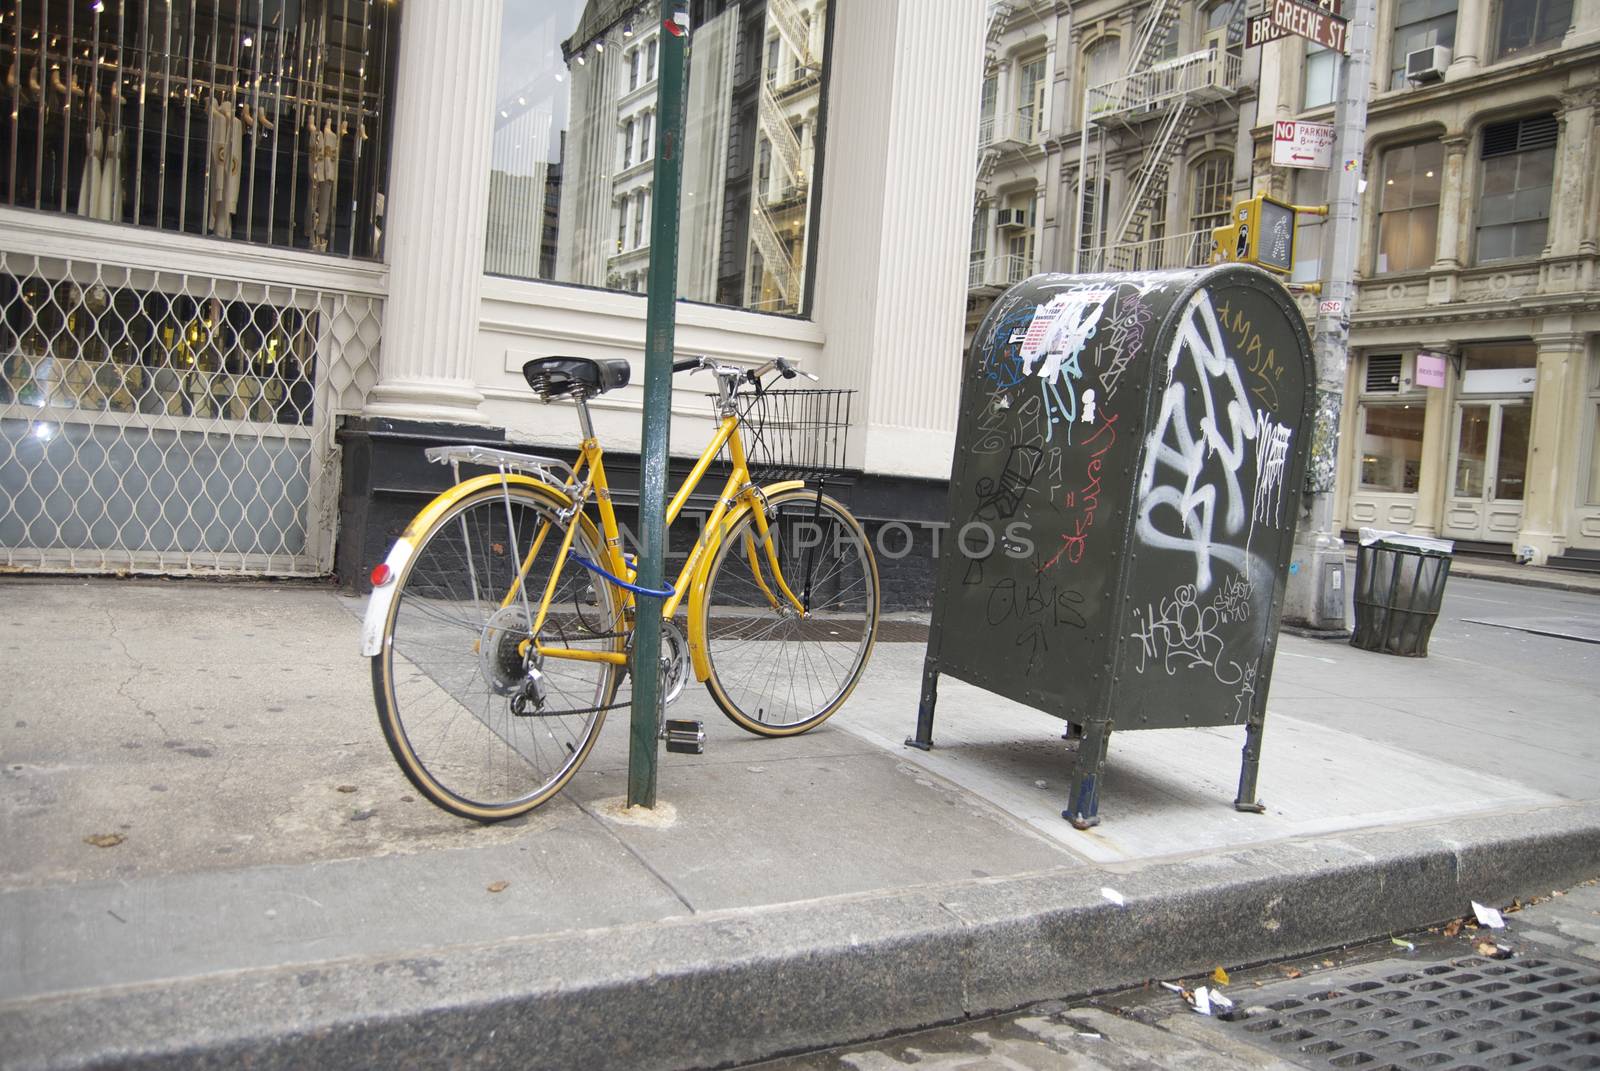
554, 377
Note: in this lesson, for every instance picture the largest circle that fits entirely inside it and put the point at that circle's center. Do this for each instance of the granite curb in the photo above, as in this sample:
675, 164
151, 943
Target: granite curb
730, 987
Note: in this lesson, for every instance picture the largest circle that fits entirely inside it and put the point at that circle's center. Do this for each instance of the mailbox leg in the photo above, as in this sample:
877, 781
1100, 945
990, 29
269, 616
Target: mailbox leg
1251, 765
923, 741
1084, 791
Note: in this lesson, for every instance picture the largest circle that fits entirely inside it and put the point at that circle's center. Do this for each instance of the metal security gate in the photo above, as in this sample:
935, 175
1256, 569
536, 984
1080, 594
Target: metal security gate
163, 421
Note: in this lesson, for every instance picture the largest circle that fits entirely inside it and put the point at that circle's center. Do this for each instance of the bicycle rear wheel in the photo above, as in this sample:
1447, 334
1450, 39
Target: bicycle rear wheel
776, 671
480, 723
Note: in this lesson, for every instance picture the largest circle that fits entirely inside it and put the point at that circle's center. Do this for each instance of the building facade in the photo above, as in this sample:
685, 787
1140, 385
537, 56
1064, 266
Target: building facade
255, 257
1479, 238
1479, 214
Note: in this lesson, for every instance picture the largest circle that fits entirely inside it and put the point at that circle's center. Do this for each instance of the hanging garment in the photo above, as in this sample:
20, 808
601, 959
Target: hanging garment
100, 191
225, 137
108, 200
89, 185
324, 177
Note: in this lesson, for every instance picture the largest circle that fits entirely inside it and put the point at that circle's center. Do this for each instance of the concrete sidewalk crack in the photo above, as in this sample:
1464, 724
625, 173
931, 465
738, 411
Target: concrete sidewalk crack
640, 859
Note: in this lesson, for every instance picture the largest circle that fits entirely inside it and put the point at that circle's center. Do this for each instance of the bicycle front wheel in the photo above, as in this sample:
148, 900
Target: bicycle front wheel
778, 670
480, 722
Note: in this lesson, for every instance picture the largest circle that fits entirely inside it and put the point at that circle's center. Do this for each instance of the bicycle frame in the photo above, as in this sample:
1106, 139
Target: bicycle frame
738, 497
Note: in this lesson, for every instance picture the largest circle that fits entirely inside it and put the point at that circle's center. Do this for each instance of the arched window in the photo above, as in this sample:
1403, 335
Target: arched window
1102, 63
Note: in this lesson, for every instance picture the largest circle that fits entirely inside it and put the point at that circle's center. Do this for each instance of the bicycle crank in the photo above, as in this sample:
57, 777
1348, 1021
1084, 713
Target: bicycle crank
674, 662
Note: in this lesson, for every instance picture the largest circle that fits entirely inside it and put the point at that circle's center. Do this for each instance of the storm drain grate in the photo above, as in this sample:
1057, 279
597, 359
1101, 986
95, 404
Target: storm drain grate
1461, 1014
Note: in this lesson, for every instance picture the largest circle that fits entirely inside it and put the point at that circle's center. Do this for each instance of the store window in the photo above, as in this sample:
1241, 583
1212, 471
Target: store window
1530, 25
1419, 24
253, 120
1408, 206
1518, 169
745, 239
1317, 82
1391, 447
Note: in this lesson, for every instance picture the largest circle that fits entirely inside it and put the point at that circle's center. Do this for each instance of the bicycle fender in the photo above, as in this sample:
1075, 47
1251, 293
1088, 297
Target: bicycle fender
381, 601
702, 576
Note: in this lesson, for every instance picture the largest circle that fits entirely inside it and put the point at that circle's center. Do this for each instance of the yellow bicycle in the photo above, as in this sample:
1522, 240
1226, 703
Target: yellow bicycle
501, 622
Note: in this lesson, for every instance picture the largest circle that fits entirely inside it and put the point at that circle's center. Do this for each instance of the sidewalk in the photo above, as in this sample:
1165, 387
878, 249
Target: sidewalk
279, 894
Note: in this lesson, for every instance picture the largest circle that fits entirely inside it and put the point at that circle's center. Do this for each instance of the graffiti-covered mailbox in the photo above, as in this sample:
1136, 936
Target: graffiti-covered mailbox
1128, 463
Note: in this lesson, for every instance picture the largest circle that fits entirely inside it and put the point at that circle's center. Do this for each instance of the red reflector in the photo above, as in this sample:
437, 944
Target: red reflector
381, 574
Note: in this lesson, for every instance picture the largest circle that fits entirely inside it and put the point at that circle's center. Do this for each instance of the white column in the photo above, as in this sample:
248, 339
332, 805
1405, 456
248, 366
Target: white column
905, 78
1574, 175
1472, 37
438, 204
1551, 477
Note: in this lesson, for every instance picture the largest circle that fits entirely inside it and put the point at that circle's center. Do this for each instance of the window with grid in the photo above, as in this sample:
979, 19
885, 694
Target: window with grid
1031, 86
1419, 24
1210, 196
1518, 160
1408, 206
1530, 25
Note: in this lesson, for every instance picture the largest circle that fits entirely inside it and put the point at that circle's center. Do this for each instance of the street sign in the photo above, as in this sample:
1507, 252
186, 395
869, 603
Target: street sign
1312, 22
1297, 144
1260, 28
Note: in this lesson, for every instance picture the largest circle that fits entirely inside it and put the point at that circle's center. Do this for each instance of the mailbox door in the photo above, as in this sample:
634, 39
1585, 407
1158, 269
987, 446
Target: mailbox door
1216, 497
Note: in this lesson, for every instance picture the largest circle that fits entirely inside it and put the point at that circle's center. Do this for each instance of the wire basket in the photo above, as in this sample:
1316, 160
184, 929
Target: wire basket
796, 434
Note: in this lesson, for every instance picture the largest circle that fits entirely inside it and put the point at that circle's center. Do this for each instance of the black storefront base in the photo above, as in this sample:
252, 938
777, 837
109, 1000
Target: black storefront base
386, 479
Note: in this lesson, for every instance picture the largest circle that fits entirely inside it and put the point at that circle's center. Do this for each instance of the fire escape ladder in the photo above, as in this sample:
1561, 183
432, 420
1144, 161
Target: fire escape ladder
786, 19
774, 258
1159, 18
784, 144
1157, 162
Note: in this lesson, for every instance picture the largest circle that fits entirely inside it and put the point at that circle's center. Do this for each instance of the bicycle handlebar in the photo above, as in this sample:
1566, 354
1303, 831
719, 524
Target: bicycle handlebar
780, 365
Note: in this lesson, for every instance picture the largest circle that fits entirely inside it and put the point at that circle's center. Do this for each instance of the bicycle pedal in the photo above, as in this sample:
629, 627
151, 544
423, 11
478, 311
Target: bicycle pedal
686, 737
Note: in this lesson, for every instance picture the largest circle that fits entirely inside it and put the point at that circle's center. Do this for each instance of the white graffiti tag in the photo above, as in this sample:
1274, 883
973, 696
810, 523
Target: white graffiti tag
1272, 458
1179, 507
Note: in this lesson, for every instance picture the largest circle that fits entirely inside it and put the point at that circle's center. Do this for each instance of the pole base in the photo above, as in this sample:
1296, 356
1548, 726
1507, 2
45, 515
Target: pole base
1081, 821
920, 745
1258, 807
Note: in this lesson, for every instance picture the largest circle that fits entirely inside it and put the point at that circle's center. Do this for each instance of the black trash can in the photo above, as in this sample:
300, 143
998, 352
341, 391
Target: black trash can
1399, 588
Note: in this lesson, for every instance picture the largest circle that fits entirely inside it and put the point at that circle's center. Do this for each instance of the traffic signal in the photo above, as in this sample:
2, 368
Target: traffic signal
1260, 230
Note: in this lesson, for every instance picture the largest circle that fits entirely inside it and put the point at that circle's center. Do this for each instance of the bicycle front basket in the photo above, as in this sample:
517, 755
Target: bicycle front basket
796, 434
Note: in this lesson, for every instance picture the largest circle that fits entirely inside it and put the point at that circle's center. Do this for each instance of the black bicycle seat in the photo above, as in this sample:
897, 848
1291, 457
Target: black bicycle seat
554, 377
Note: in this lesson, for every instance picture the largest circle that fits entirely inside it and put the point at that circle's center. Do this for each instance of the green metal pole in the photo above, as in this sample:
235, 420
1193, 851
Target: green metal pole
660, 316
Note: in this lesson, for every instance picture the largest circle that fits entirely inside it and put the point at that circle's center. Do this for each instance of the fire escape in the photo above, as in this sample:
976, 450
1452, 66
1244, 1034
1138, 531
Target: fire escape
1152, 104
776, 259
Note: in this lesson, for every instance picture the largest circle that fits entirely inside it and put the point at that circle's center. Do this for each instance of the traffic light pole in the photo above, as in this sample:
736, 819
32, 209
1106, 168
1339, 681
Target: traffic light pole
1316, 593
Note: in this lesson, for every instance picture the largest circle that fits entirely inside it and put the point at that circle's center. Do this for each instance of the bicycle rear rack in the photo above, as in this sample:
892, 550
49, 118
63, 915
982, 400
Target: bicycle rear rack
549, 469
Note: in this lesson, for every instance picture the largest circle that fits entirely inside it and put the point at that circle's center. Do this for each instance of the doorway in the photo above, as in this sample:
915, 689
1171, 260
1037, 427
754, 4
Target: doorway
1489, 468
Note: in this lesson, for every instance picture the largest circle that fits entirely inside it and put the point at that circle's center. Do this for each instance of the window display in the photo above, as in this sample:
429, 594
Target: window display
259, 120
